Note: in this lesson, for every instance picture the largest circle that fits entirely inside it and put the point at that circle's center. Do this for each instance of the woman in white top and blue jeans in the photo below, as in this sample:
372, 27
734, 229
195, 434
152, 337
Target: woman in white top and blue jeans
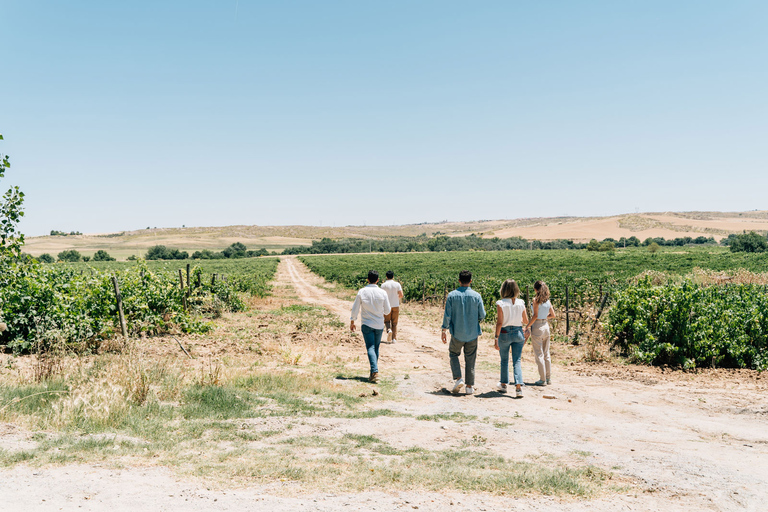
510, 318
539, 326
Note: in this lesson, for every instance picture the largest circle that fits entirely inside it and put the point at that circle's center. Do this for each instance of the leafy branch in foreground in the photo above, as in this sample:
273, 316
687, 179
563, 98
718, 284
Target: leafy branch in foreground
11, 240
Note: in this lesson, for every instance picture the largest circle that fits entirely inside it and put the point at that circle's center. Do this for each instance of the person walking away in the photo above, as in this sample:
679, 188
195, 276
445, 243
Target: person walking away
511, 315
371, 304
463, 313
539, 326
395, 293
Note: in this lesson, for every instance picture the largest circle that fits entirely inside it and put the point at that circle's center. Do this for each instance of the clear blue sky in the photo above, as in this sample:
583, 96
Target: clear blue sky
123, 115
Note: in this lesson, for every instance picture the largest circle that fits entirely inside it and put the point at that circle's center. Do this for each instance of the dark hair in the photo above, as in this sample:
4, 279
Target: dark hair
373, 276
509, 289
390, 274
465, 276
542, 291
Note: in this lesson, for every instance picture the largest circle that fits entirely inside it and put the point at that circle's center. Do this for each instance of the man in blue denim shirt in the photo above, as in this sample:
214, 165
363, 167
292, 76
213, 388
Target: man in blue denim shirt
463, 312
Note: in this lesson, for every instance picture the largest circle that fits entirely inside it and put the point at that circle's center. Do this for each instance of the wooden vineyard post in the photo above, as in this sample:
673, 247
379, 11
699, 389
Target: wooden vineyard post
181, 284
213, 281
526, 299
189, 283
120, 314
567, 313
199, 278
423, 291
603, 301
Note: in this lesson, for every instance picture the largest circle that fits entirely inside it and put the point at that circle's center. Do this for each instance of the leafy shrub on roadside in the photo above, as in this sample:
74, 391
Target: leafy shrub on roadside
45, 304
691, 325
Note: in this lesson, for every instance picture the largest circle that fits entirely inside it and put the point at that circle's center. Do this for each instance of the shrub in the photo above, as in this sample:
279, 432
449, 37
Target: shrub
607, 246
102, 255
45, 258
692, 325
70, 255
161, 252
44, 304
748, 242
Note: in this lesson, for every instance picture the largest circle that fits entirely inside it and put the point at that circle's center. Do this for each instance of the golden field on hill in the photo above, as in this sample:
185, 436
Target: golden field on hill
276, 238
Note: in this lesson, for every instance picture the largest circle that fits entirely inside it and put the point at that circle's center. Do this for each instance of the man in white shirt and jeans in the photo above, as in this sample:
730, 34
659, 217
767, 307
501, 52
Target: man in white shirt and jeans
395, 293
372, 304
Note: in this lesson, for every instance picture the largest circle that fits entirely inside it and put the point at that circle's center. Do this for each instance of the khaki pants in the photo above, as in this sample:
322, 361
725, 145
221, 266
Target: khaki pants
390, 321
540, 342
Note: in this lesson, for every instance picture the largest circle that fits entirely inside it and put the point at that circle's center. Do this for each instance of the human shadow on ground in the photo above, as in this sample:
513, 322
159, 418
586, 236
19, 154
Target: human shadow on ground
446, 391
357, 378
497, 394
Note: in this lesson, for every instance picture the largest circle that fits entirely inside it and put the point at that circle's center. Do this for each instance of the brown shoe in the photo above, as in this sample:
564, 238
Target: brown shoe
374, 377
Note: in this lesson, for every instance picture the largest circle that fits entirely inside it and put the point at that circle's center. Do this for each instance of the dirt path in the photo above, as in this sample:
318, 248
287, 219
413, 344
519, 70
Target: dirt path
672, 442
682, 442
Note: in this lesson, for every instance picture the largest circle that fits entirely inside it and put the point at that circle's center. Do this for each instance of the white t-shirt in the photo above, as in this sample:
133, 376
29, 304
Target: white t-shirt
513, 312
392, 287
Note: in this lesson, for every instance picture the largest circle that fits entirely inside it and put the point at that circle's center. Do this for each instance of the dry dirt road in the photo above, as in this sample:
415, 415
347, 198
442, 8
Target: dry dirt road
672, 441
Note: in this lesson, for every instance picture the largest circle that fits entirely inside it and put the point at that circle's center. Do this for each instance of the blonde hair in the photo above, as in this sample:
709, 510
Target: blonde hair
509, 289
542, 292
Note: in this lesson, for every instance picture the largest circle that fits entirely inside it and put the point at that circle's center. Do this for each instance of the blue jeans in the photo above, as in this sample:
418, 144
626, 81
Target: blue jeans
372, 339
513, 339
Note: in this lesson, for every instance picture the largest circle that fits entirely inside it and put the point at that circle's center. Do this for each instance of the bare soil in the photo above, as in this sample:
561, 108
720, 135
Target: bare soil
671, 440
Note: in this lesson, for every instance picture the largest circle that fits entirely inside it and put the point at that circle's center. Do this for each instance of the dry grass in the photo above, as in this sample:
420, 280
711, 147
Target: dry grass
705, 277
254, 405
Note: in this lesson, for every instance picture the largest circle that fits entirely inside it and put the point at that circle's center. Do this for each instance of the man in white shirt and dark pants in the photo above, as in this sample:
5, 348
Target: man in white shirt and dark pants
395, 293
372, 304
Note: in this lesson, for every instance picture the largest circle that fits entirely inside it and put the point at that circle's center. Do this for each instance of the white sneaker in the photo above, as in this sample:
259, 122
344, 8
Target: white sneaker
389, 335
457, 386
501, 387
470, 390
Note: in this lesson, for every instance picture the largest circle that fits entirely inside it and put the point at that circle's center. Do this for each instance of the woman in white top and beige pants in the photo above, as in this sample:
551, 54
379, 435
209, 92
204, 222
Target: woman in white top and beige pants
510, 318
539, 326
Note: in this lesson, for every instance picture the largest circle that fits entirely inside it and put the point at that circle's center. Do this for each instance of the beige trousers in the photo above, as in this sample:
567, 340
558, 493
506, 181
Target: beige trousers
540, 342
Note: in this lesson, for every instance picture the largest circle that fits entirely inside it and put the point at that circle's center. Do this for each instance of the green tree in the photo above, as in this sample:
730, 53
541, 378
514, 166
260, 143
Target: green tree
102, 255
593, 245
11, 240
45, 258
606, 246
70, 255
749, 242
653, 247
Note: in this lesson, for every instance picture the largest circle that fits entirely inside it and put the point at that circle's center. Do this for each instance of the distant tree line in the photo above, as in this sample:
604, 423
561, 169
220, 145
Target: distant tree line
422, 243
73, 256
64, 233
745, 242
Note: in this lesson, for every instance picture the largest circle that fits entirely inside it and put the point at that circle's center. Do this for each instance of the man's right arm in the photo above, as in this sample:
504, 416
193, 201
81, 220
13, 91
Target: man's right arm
355, 312
446, 320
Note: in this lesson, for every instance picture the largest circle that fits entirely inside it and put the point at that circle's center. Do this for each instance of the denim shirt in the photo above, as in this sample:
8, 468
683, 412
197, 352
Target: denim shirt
463, 312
